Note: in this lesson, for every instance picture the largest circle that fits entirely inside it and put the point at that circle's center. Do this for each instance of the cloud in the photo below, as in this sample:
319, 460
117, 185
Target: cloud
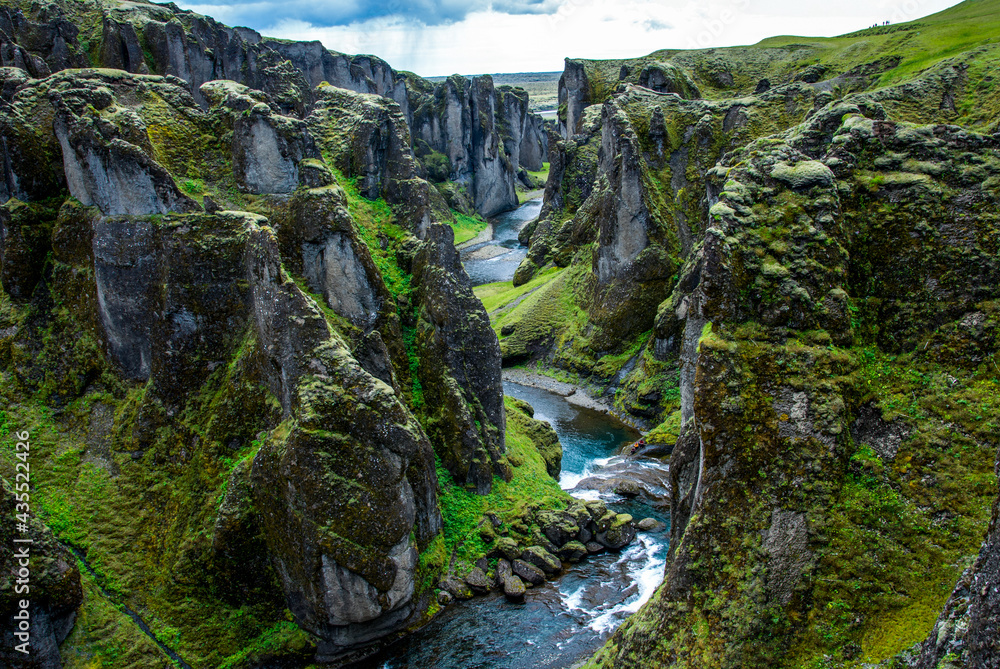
437, 37
653, 24
327, 13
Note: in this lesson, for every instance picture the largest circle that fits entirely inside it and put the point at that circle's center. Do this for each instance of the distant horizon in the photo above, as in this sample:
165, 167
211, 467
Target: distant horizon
483, 74
437, 38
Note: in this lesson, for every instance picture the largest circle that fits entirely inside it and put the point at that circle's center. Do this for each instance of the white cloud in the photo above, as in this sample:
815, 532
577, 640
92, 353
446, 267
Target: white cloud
488, 40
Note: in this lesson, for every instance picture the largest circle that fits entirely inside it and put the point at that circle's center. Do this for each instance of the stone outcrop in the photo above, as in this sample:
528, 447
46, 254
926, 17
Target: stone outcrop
367, 137
460, 364
813, 170
275, 339
524, 138
266, 146
589, 82
466, 121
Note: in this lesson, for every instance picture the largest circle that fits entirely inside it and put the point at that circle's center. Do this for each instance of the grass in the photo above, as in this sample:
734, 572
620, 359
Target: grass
550, 313
902, 531
375, 219
502, 293
149, 509
970, 29
539, 177
667, 431
104, 637
542, 174
466, 227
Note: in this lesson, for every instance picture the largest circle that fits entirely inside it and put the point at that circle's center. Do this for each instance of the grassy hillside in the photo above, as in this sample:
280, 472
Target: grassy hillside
867, 59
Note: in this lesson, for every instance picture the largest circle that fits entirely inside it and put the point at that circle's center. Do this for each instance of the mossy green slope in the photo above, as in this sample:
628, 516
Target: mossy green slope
864, 60
675, 140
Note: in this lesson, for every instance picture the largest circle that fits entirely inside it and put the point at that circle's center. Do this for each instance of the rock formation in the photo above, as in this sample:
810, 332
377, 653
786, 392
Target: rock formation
756, 271
266, 406
273, 369
465, 120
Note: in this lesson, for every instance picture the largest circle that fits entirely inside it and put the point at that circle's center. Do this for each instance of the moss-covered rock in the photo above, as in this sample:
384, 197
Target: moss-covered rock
785, 352
459, 367
40, 588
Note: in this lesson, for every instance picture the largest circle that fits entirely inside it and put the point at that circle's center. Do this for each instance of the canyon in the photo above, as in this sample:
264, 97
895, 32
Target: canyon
270, 398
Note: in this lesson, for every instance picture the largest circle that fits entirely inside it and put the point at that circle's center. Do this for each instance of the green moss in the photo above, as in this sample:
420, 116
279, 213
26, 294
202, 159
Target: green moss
502, 294
159, 498
541, 176
548, 315
667, 431
376, 221
104, 637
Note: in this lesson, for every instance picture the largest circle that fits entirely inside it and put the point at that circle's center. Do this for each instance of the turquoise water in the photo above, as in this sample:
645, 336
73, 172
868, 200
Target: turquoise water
567, 619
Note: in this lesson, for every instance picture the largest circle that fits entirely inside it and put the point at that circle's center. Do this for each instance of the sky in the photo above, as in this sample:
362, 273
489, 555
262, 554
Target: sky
440, 37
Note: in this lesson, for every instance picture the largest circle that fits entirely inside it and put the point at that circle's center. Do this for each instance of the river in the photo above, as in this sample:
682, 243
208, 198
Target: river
497, 259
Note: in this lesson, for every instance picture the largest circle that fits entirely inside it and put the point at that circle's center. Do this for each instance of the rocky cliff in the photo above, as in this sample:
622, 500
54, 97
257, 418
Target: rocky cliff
787, 379
242, 342
455, 120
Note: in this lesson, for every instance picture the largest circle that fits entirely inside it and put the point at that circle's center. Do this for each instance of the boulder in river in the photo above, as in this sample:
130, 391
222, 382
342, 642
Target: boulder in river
513, 589
620, 533
605, 521
579, 511
477, 581
542, 559
504, 570
538, 538
528, 573
456, 588
650, 525
559, 527
572, 551
597, 509
645, 478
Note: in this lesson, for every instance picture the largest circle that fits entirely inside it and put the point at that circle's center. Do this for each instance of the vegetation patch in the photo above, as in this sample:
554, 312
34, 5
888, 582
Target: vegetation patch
463, 511
503, 293
466, 227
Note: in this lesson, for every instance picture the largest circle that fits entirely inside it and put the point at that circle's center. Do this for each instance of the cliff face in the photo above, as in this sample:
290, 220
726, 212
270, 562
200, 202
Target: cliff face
455, 119
240, 389
477, 132
628, 193
798, 436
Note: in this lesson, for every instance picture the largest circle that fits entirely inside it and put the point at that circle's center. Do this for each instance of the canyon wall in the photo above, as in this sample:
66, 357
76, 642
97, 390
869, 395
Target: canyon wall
463, 120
